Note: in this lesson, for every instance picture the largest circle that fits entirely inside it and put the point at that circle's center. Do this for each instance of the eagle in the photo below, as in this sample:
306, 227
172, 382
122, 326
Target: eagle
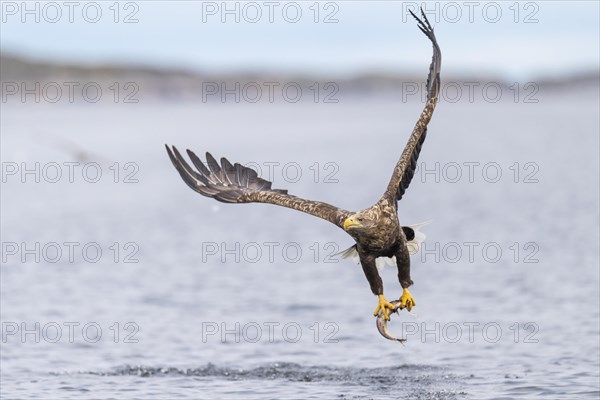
376, 230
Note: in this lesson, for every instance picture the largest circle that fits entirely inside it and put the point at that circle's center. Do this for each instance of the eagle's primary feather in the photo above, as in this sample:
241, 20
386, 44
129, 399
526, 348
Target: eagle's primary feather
239, 184
405, 169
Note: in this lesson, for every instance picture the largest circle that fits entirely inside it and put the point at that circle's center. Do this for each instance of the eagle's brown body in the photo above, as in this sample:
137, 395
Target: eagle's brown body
376, 229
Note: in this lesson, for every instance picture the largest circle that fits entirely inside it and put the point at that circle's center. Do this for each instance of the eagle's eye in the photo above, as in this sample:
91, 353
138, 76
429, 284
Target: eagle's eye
359, 219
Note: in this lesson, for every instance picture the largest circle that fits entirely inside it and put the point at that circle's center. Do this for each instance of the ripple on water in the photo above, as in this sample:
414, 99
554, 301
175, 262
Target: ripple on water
421, 382
289, 371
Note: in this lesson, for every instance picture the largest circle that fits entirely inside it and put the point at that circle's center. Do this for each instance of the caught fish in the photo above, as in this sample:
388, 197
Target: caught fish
382, 323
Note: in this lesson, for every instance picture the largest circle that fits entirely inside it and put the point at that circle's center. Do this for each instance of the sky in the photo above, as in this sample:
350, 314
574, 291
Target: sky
509, 39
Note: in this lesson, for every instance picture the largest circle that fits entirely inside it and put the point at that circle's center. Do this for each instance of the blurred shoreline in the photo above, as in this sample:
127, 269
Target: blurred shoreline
181, 84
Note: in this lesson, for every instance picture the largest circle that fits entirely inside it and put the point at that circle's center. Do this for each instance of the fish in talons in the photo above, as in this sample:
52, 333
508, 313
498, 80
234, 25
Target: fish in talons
382, 322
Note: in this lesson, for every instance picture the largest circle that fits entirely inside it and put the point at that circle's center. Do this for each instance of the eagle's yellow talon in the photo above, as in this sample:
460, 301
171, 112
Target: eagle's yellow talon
383, 306
407, 301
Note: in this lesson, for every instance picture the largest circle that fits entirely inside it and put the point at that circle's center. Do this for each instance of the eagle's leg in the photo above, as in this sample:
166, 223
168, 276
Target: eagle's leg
403, 263
370, 270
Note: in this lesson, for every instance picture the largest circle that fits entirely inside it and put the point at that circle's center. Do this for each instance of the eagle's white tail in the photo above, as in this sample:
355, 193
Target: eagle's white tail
413, 245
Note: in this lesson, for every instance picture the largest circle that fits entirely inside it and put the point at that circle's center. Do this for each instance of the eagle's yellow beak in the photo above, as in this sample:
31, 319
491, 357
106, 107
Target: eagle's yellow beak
350, 222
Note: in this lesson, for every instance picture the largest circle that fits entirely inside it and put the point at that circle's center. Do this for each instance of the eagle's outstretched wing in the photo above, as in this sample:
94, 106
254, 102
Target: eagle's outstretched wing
406, 166
238, 184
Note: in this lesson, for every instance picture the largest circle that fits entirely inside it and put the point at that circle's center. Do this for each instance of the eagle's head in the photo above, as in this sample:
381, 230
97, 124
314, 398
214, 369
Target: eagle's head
357, 223
374, 226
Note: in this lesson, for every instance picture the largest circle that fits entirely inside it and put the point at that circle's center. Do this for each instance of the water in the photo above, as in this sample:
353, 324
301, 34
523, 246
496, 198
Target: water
185, 323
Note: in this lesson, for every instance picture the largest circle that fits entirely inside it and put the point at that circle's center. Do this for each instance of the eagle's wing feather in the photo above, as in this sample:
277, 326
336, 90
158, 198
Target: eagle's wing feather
406, 166
238, 184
